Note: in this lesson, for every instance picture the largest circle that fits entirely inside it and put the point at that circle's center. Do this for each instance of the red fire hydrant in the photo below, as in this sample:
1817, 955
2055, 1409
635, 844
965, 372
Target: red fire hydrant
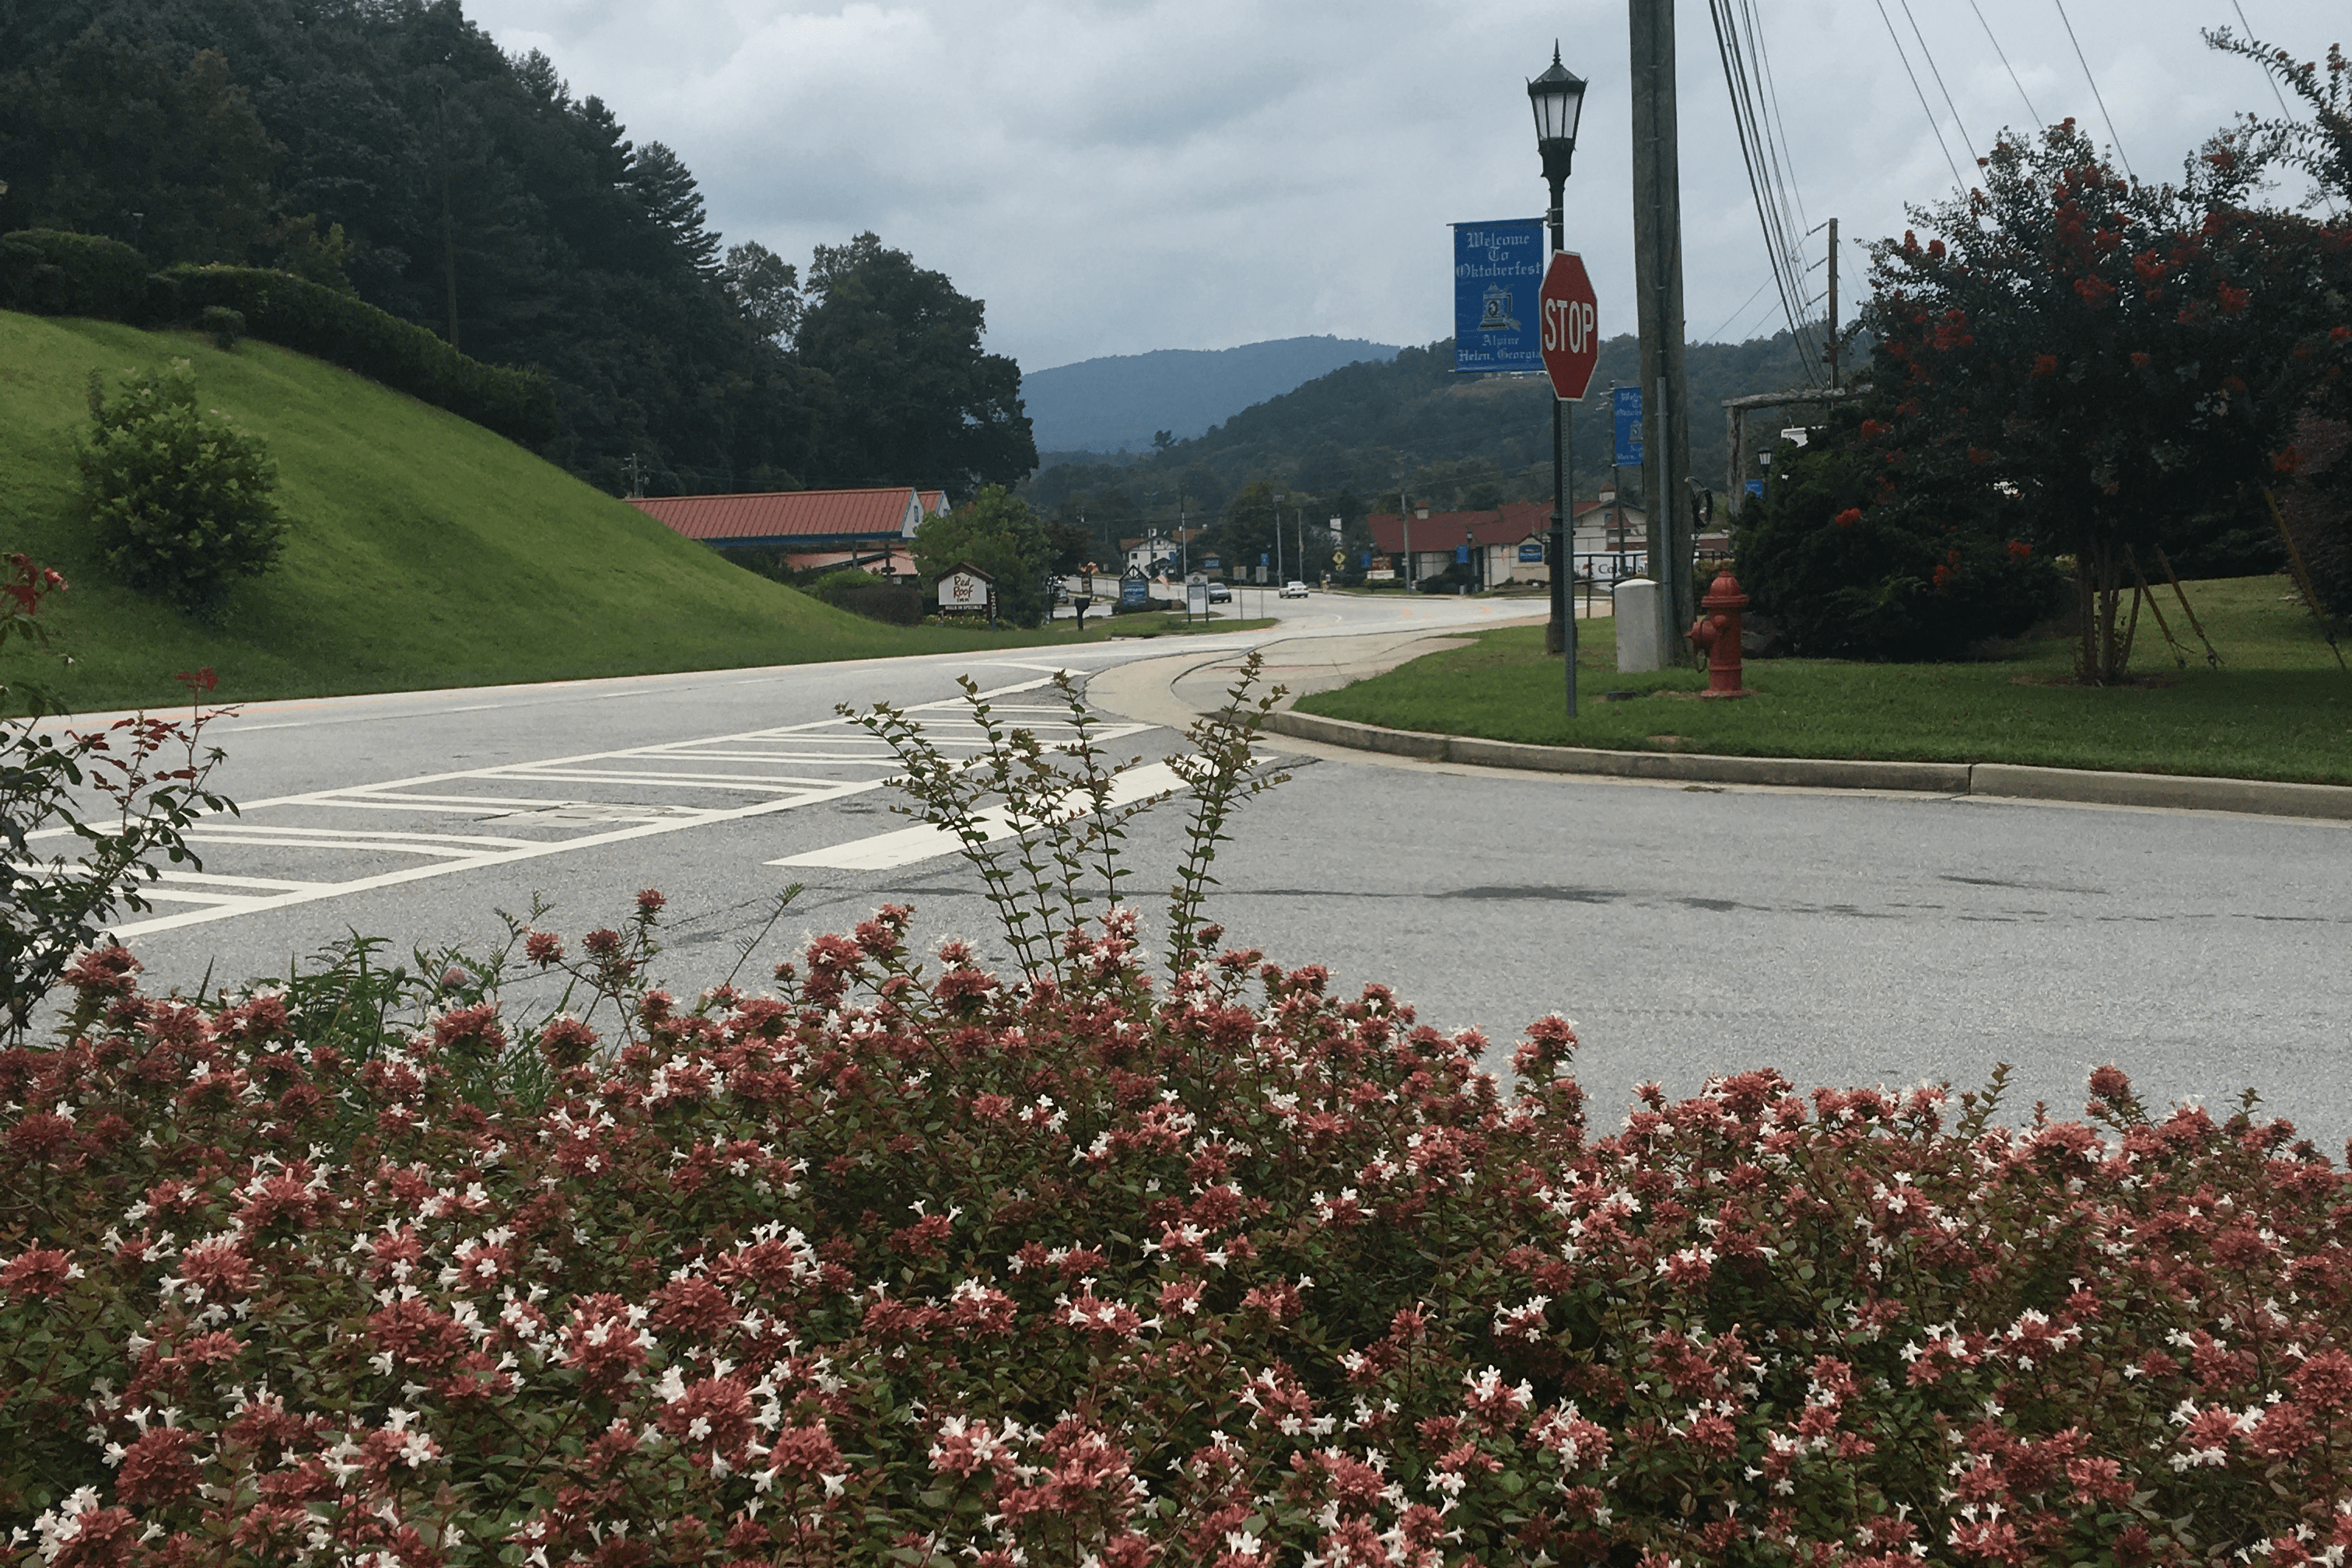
1717, 631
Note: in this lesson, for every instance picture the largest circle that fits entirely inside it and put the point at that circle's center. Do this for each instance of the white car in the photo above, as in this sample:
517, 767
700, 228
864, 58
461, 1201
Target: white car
1294, 589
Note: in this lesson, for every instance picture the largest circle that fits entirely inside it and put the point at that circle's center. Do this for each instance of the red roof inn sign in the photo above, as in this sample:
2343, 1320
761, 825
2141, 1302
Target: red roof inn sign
968, 590
1571, 325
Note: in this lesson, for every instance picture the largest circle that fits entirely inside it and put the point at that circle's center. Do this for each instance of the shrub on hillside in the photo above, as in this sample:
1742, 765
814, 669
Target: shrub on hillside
184, 502
52, 272
917, 1264
1843, 571
332, 325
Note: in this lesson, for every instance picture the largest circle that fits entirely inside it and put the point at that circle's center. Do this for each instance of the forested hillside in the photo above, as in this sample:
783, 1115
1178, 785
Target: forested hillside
1352, 438
390, 148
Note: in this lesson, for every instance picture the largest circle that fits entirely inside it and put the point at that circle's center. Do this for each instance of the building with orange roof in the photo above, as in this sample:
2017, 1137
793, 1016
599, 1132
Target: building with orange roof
871, 527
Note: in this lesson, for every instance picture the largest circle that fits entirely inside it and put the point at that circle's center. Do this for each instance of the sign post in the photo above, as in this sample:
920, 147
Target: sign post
1196, 595
1570, 314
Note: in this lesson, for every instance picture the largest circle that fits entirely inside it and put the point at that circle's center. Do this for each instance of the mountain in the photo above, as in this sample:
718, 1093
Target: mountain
1357, 433
1117, 404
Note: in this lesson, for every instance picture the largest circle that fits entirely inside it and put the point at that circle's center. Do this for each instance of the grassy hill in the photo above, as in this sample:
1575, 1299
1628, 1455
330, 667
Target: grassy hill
425, 552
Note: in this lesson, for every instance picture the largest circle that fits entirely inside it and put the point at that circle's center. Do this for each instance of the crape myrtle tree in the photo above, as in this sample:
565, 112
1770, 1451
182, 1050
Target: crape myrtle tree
2316, 499
918, 401
2100, 356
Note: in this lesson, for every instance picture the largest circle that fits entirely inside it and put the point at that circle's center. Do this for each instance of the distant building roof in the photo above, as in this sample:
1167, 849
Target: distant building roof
1630, 508
1507, 524
932, 500
796, 517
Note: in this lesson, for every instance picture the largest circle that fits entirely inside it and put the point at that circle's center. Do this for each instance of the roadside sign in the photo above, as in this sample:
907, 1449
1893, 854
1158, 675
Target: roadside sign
965, 588
1497, 267
1626, 409
1571, 326
1196, 595
1135, 590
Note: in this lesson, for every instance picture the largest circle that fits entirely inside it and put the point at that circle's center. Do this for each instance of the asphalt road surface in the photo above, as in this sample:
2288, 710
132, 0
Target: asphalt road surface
1841, 936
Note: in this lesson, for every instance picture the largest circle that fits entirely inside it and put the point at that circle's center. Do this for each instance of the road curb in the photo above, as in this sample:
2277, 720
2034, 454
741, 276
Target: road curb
2002, 780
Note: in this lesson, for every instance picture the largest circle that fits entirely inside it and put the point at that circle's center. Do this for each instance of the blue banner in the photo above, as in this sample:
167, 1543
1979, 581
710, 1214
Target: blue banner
1497, 268
1627, 411
1531, 550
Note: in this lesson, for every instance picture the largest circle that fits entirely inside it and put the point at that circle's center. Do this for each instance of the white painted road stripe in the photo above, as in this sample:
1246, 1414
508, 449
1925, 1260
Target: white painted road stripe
925, 841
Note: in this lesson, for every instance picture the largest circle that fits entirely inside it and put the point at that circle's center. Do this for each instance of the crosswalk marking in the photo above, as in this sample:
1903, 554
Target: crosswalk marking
268, 857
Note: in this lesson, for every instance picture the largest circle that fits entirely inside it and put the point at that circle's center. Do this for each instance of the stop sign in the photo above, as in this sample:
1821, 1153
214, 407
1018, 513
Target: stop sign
1571, 325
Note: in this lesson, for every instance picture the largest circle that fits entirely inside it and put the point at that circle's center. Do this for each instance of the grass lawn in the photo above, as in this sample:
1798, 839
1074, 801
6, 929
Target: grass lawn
2279, 708
426, 551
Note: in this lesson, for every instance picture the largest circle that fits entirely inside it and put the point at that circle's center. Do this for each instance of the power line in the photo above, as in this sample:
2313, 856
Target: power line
1897, 38
2096, 96
1737, 311
2249, 26
2284, 112
1933, 70
2033, 113
1772, 101
1766, 178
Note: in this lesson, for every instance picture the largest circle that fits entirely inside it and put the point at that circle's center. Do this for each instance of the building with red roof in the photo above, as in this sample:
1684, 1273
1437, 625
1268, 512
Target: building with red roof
1505, 543
869, 528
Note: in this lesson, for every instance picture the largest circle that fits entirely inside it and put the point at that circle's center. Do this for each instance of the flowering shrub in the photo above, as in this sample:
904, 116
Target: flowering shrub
908, 1264
123, 794
914, 1264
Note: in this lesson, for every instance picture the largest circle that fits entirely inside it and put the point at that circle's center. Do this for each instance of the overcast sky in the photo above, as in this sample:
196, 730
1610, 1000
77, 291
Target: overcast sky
1113, 176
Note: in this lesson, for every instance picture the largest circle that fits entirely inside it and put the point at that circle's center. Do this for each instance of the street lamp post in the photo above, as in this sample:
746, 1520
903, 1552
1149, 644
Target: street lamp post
1558, 99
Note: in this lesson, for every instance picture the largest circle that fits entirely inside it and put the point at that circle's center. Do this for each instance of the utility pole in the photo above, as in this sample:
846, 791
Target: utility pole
1658, 284
1280, 496
1834, 326
1404, 521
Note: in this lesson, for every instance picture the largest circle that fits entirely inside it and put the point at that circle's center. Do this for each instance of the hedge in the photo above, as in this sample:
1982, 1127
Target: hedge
52, 272
300, 315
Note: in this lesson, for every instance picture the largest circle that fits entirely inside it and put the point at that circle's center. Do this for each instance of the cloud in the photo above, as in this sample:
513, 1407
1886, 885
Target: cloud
1118, 175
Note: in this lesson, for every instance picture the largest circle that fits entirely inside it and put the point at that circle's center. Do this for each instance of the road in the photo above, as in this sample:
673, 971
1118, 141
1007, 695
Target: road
1842, 937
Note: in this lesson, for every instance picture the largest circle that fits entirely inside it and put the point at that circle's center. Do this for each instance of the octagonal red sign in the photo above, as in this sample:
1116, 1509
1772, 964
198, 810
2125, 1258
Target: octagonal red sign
1571, 325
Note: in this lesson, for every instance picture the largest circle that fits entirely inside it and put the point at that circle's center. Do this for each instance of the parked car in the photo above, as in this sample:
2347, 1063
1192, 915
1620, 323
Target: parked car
1220, 595
1294, 589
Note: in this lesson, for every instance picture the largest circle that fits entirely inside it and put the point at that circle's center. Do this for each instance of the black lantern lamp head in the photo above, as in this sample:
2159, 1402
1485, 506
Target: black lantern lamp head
1557, 97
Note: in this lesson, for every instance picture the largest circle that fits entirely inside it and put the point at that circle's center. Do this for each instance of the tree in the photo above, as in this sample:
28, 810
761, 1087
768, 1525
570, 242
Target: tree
999, 533
2315, 500
112, 138
2110, 356
183, 501
920, 402
765, 288
1923, 577
1244, 530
